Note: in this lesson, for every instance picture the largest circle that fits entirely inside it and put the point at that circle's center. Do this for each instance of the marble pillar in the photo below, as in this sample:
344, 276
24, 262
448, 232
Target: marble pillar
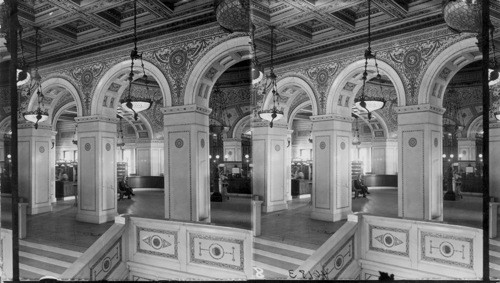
36, 170
232, 149
187, 168
331, 192
384, 156
288, 162
494, 160
269, 164
97, 177
149, 160
420, 177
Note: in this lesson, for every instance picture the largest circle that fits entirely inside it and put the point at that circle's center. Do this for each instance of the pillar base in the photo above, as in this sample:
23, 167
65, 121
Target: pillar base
39, 209
274, 207
96, 219
326, 216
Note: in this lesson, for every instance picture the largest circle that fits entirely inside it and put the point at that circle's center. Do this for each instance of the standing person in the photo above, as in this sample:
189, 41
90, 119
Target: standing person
457, 179
360, 186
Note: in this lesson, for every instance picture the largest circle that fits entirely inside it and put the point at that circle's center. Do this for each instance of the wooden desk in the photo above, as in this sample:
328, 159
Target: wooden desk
146, 182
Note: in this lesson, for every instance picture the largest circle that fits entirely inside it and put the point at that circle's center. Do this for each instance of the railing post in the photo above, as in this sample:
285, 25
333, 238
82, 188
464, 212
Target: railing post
493, 219
256, 215
23, 207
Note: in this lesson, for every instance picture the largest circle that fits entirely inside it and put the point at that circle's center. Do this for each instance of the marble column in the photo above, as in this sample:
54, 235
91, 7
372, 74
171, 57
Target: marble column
269, 164
288, 162
494, 160
36, 170
150, 158
420, 178
331, 193
232, 149
187, 168
467, 149
97, 180
384, 156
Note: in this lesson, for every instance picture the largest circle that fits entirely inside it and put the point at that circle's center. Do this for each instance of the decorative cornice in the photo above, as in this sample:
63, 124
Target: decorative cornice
186, 109
231, 140
419, 108
331, 117
87, 119
29, 125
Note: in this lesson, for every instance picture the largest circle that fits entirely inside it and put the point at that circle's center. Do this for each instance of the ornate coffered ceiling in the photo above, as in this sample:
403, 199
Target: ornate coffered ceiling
74, 27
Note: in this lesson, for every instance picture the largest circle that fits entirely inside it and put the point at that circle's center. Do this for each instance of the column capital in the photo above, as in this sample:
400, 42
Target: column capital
419, 108
259, 123
28, 129
231, 140
331, 117
95, 118
186, 109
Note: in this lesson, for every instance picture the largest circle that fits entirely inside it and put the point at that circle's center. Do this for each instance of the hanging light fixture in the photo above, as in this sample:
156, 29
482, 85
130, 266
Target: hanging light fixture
131, 103
257, 73
23, 76
218, 100
75, 135
355, 136
369, 104
497, 115
38, 115
120, 142
272, 114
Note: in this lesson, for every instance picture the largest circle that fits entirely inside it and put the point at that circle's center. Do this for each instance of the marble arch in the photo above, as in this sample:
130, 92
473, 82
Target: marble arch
475, 126
61, 87
211, 66
442, 69
4, 126
295, 111
118, 75
352, 74
242, 125
55, 116
293, 81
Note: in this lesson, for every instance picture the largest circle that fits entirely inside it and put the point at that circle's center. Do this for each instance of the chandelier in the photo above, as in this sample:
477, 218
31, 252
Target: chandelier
131, 103
355, 136
218, 101
369, 104
272, 114
38, 115
120, 142
257, 73
75, 135
233, 15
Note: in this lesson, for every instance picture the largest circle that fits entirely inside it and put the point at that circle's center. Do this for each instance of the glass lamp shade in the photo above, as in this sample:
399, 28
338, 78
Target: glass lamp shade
463, 15
120, 142
135, 104
22, 77
494, 77
233, 14
271, 115
497, 115
370, 104
36, 116
257, 74
356, 141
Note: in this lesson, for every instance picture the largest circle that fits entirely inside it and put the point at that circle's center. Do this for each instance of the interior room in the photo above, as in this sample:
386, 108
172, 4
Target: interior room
243, 139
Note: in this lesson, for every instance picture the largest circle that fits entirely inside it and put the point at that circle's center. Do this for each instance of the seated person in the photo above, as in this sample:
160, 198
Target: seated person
124, 188
360, 186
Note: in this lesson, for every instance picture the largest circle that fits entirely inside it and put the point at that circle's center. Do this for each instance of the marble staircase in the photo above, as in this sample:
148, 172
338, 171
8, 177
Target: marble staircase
37, 260
274, 260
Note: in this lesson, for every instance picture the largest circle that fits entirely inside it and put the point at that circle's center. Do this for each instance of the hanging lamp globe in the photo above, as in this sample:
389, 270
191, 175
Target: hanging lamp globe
36, 116
233, 15
257, 73
497, 115
271, 115
134, 104
463, 15
494, 76
23, 77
